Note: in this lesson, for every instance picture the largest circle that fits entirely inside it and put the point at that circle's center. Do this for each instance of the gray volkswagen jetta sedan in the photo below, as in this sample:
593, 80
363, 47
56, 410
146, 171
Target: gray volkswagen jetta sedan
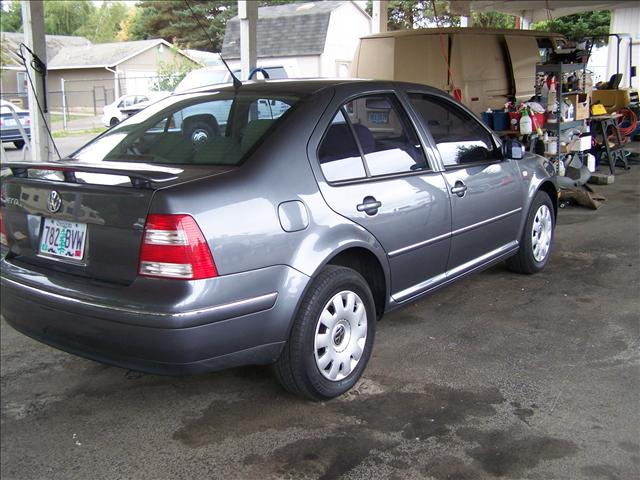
270, 224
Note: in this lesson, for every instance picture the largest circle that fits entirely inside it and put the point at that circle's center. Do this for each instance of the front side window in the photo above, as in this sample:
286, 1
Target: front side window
203, 128
389, 143
459, 137
370, 136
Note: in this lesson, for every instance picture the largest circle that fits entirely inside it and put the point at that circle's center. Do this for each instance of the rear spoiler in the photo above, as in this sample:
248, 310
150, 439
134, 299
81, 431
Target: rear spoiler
142, 175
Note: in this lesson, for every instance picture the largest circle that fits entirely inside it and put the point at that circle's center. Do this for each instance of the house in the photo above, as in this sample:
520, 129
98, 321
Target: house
13, 78
315, 39
93, 75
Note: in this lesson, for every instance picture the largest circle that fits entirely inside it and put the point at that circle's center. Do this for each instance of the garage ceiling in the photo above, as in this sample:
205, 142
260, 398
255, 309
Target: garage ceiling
535, 11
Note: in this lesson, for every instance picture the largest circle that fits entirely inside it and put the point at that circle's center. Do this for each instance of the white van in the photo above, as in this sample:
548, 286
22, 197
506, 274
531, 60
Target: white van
489, 66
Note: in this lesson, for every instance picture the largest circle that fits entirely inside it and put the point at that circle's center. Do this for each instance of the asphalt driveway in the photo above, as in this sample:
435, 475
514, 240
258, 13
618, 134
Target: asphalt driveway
500, 375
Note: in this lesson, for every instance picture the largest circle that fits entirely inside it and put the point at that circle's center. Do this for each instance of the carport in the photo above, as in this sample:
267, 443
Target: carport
496, 376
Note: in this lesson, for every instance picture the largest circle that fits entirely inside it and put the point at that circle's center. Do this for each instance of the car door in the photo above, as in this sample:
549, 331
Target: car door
486, 190
373, 170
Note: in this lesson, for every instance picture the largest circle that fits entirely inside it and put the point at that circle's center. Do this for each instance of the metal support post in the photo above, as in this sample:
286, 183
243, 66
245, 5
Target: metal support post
380, 16
248, 14
64, 105
33, 22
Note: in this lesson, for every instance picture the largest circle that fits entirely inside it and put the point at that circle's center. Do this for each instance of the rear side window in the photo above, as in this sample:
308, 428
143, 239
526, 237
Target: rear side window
459, 136
339, 155
370, 136
205, 129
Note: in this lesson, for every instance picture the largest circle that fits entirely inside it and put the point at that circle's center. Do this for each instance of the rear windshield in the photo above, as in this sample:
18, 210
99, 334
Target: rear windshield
203, 128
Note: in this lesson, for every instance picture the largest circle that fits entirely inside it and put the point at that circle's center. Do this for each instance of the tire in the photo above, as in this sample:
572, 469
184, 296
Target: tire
113, 122
305, 367
19, 144
537, 237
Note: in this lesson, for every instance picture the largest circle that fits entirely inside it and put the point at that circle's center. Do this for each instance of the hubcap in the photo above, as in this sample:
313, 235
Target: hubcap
199, 136
341, 333
541, 233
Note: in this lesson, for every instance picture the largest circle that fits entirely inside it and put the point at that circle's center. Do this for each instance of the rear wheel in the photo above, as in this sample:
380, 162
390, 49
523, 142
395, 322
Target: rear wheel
113, 122
19, 144
332, 336
537, 238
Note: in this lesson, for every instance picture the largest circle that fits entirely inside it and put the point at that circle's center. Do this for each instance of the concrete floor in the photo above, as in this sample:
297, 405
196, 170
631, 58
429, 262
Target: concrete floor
501, 375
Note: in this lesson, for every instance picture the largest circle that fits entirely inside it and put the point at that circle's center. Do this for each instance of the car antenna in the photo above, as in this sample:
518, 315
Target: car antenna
236, 83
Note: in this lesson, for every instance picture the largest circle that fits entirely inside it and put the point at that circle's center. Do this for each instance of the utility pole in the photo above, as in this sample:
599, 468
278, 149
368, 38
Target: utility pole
33, 22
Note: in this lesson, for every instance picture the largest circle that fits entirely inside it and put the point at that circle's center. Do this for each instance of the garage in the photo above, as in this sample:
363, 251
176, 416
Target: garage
421, 262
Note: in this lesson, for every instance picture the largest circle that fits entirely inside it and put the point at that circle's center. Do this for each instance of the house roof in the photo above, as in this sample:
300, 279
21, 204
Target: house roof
10, 43
101, 55
285, 30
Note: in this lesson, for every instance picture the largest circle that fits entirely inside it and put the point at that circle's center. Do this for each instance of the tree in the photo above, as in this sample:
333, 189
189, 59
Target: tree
176, 22
66, 17
492, 20
170, 74
579, 25
408, 14
104, 24
11, 18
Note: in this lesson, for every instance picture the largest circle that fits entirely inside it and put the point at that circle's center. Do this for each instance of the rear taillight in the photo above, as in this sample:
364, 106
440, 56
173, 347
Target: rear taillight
174, 247
3, 235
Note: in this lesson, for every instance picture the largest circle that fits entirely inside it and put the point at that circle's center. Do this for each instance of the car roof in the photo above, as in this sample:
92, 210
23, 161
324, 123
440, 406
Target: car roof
303, 87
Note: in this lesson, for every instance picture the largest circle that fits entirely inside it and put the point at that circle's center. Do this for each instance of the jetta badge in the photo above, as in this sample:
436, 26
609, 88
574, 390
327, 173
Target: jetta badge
55, 202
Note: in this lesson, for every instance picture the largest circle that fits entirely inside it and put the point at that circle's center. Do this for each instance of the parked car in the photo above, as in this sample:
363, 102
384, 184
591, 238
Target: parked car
9, 131
281, 239
112, 113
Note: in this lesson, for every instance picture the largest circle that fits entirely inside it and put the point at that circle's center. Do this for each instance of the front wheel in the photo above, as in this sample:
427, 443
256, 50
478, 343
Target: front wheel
332, 336
537, 238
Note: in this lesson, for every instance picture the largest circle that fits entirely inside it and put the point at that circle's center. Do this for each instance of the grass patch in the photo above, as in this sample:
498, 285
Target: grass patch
57, 117
76, 133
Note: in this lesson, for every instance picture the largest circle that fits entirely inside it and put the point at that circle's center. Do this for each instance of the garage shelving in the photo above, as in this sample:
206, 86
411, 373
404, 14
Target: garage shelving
560, 70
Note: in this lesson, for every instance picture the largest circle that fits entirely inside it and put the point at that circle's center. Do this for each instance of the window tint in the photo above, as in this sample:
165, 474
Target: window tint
209, 129
338, 154
459, 137
388, 141
270, 108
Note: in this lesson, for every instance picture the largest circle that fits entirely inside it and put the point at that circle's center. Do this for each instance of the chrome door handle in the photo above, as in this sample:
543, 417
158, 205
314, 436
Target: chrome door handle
369, 205
459, 189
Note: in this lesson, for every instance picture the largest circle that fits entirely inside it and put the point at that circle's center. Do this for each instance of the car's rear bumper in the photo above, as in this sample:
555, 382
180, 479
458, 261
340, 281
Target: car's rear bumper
13, 135
248, 330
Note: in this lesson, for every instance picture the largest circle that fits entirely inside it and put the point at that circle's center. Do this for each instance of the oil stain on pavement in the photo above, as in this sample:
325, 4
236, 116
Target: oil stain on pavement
352, 432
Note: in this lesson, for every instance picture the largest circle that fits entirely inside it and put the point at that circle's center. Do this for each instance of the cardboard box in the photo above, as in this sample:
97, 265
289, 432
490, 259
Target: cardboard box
580, 104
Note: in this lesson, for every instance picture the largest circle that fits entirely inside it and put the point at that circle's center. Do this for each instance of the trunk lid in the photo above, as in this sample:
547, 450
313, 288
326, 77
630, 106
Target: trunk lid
100, 209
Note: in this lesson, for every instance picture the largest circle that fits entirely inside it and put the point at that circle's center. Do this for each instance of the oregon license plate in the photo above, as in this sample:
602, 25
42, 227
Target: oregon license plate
63, 239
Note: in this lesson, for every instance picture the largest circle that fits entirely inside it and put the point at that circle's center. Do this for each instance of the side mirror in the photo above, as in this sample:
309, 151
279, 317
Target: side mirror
512, 149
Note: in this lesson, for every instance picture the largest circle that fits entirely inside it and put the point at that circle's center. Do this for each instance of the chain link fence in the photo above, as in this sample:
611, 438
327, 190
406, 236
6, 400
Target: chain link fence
77, 104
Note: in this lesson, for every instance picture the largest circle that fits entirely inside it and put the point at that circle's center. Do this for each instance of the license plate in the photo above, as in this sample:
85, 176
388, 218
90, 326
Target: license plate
378, 117
63, 239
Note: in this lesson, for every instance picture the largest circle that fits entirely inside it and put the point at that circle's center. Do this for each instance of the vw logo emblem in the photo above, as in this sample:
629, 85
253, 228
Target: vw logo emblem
338, 337
55, 202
